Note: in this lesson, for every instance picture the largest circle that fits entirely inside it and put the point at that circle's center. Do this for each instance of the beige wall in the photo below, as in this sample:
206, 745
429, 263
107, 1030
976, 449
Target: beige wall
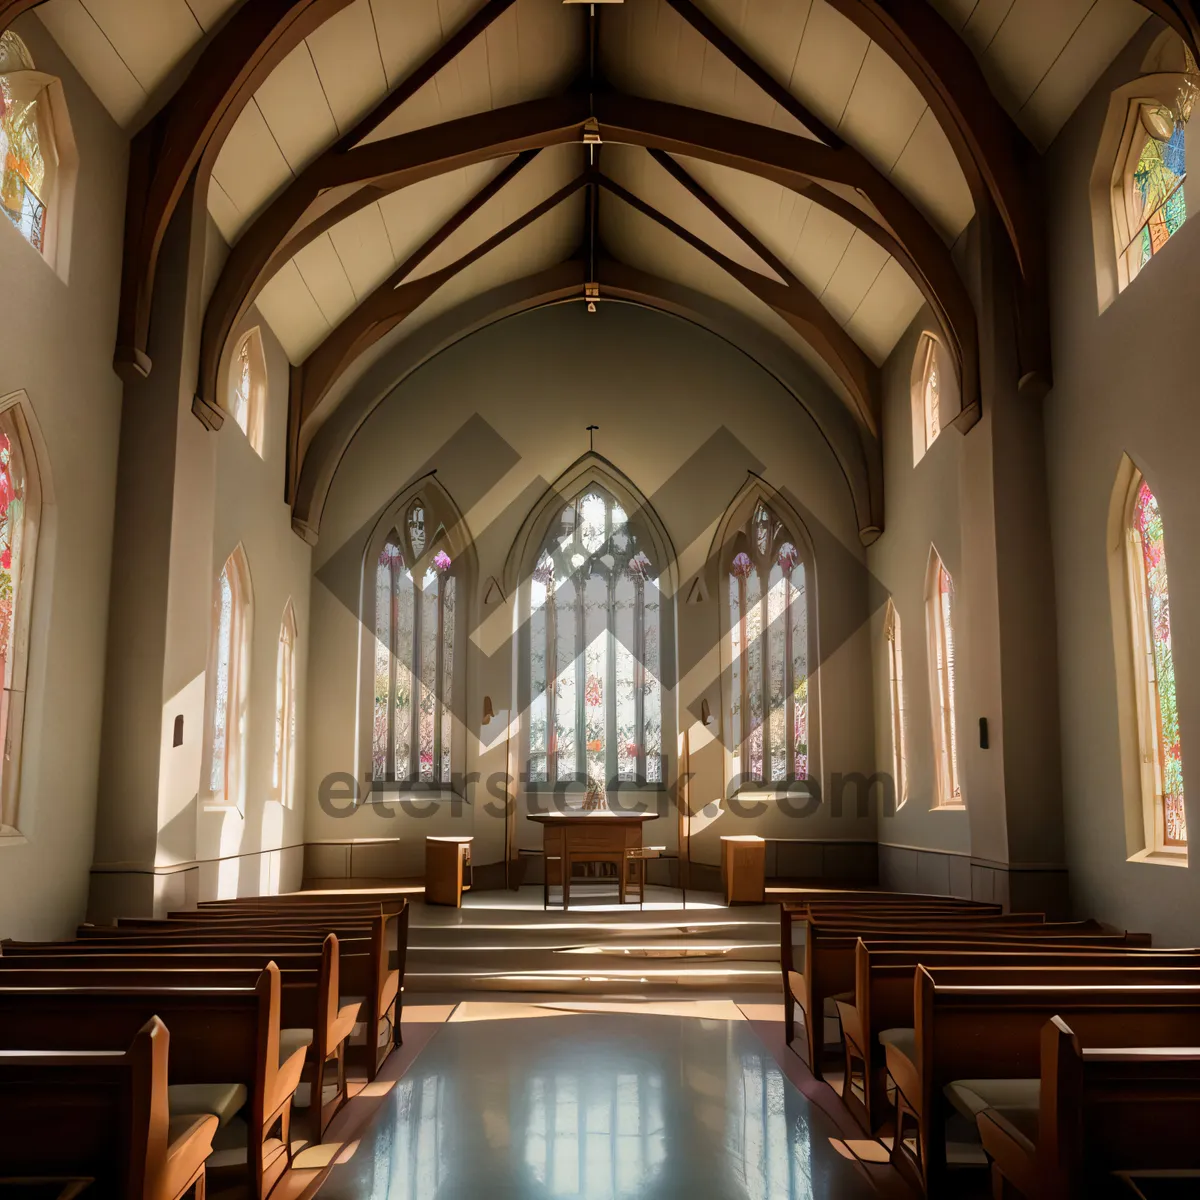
683, 415
56, 343
1125, 383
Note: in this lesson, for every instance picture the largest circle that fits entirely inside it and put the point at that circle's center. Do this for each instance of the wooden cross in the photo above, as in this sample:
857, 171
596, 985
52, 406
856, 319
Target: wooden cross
591, 432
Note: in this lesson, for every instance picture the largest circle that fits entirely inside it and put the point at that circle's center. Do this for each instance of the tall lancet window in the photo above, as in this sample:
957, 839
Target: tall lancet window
942, 670
895, 670
1158, 710
769, 652
415, 585
595, 671
230, 681
284, 771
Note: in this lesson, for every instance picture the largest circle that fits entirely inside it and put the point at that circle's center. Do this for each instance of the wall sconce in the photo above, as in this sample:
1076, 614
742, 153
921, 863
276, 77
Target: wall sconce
488, 711
705, 712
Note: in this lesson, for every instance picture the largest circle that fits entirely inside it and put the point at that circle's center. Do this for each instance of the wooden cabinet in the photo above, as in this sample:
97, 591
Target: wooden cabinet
743, 869
447, 861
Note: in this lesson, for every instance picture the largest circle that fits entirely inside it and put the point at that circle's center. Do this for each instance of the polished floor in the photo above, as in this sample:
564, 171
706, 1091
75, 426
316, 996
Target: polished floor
551, 1105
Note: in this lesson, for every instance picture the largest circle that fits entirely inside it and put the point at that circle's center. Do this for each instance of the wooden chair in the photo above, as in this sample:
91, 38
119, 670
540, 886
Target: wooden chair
637, 857
103, 1115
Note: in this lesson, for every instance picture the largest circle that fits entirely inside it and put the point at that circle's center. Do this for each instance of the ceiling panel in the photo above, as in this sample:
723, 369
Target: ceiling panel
886, 312
831, 55
223, 211
293, 104
364, 249
928, 171
210, 13
95, 58
346, 52
854, 276
883, 110
251, 167
410, 30
1027, 43
290, 309
151, 36
326, 279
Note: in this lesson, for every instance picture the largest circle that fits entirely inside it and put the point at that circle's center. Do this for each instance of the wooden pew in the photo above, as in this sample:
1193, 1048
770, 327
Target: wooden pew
376, 984
311, 1008
829, 955
101, 1114
1100, 1110
975, 1025
217, 1036
885, 970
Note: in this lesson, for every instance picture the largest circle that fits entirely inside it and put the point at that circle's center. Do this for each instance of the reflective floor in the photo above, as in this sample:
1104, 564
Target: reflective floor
597, 1107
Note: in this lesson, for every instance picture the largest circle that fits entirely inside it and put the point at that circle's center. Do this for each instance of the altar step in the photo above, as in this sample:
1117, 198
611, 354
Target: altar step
486, 947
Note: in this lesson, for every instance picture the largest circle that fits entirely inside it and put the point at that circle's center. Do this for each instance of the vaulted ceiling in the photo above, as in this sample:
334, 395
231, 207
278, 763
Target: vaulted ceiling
377, 164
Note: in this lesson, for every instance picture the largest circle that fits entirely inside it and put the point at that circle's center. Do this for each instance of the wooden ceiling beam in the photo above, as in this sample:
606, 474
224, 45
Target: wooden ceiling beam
332, 188
10, 10
1183, 16
395, 299
795, 304
1002, 168
185, 138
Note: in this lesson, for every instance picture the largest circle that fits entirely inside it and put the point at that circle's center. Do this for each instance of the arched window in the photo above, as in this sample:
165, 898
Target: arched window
248, 388
1154, 669
415, 602
594, 658
934, 388
895, 669
20, 514
942, 667
28, 156
230, 676
769, 652
284, 771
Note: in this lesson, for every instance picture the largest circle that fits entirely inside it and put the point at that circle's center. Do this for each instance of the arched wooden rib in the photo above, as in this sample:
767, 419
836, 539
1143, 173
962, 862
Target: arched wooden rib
839, 177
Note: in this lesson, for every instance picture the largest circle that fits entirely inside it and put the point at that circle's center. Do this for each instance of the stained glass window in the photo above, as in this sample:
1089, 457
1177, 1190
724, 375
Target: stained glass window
1155, 615
413, 727
595, 702
241, 385
283, 773
769, 643
1155, 183
23, 144
895, 657
19, 511
942, 673
231, 626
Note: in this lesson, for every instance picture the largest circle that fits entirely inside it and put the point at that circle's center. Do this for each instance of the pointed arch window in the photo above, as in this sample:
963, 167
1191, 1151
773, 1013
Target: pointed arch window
415, 604
594, 658
28, 158
248, 388
895, 670
1158, 709
768, 599
930, 382
20, 518
230, 686
942, 675
283, 773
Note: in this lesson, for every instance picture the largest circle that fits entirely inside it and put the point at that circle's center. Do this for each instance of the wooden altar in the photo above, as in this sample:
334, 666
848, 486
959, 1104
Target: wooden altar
589, 837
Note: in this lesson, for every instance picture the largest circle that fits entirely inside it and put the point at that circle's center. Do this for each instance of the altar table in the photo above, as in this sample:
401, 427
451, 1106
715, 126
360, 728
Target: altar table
607, 835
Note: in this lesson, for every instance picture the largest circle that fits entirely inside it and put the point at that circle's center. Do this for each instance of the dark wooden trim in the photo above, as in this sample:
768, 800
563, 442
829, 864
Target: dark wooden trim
1001, 167
1183, 16
795, 304
185, 138
10, 10
392, 301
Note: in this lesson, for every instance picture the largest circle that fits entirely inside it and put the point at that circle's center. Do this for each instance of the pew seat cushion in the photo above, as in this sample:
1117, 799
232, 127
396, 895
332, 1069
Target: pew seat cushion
291, 1040
973, 1096
222, 1100
903, 1040
1000, 1129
